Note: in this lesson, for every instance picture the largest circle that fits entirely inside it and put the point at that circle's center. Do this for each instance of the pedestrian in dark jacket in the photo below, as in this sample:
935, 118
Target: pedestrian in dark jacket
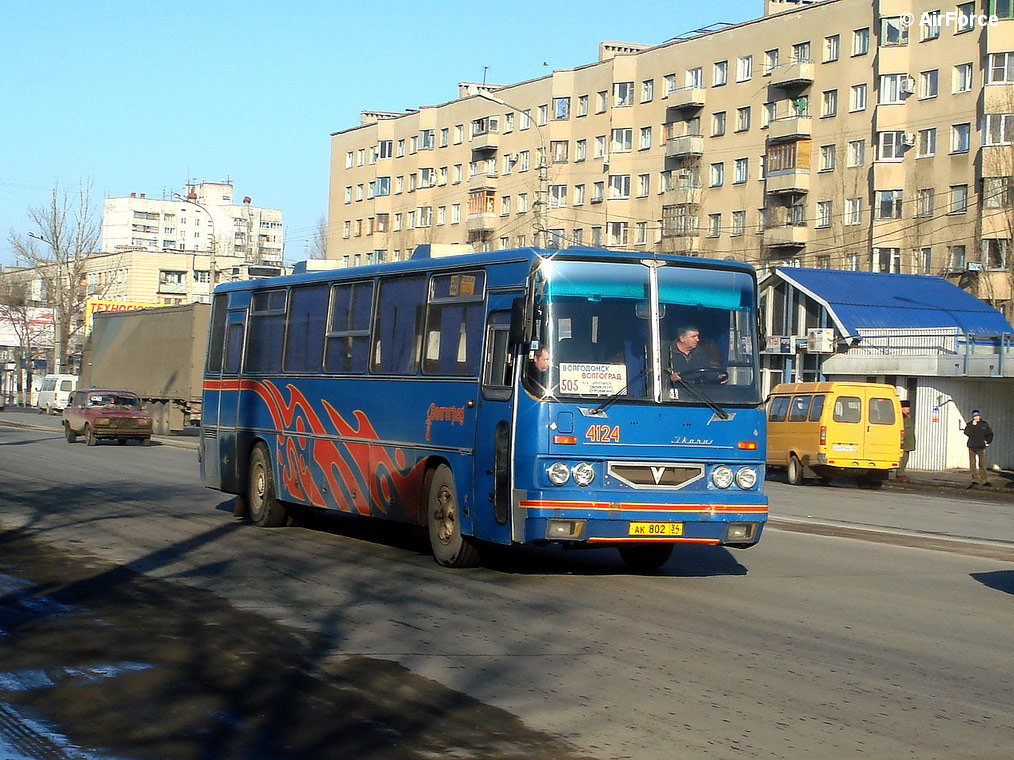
980, 435
908, 439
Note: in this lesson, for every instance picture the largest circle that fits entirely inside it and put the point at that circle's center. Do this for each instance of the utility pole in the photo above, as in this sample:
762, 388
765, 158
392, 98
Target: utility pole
58, 306
539, 206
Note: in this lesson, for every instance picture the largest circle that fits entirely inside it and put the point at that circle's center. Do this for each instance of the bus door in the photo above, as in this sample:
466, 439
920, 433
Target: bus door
494, 427
883, 427
226, 411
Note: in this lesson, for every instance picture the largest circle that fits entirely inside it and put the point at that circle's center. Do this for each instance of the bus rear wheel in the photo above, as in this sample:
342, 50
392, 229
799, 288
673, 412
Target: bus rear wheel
645, 557
443, 518
265, 509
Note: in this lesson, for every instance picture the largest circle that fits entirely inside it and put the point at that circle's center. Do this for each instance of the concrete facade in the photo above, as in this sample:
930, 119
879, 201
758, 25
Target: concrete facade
825, 134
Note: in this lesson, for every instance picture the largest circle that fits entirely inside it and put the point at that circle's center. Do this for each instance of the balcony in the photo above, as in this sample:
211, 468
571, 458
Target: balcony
686, 97
792, 127
792, 74
481, 222
687, 145
485, 141
483, 179
786, 236
788, 181
683, 194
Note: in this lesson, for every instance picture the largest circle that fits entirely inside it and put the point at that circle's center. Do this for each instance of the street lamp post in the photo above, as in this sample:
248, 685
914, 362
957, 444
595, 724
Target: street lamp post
539, 227
212, 268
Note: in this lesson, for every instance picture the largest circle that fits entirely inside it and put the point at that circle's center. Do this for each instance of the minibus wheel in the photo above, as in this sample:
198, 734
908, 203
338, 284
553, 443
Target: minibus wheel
645, 557
265, 509
443, 518
796, 471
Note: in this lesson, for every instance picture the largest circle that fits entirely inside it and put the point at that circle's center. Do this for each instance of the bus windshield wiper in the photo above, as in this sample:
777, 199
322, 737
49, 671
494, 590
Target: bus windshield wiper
621, 392
702, 396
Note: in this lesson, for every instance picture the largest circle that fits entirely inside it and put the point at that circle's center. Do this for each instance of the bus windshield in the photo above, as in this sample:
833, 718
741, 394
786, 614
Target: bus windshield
605, 329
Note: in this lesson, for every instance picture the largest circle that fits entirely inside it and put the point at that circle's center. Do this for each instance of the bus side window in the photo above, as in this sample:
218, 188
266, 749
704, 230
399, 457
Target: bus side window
498, 366
348, 337
233, 348
304, 332
779, 407
267, 331
397, 325
800, 406
216, 341
816, 408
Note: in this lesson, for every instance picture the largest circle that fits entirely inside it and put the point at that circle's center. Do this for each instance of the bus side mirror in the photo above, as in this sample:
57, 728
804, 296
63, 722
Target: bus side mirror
521, 323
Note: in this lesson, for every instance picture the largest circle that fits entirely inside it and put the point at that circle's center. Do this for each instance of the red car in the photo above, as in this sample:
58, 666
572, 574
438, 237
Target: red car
98, 413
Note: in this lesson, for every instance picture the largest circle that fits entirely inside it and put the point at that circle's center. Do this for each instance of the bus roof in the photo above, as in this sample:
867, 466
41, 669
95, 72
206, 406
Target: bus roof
422, 261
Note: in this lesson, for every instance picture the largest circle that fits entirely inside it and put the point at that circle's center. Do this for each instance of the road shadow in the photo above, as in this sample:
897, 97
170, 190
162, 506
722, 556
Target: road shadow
999, 580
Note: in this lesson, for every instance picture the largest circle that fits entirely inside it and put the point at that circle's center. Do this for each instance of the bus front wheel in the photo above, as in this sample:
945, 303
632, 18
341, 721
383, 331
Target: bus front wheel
443, 518
645, 557
265, 509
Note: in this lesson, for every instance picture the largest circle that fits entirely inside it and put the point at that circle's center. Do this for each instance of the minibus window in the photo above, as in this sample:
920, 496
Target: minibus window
779, 405
800, 406
817, 408
848, 409
881, 411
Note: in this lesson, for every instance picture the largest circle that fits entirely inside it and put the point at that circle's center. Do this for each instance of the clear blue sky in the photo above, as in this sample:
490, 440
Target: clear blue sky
140, 96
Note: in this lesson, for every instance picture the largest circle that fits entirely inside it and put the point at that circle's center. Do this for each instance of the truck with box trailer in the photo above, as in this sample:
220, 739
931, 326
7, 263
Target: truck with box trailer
157, 353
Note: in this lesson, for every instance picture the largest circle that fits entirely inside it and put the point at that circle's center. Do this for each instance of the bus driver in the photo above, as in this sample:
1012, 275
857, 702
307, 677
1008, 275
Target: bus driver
690, 363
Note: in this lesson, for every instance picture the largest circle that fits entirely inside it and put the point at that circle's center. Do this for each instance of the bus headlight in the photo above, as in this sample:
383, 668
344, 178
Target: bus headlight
746, 478
721, 476
559, 473
583, 473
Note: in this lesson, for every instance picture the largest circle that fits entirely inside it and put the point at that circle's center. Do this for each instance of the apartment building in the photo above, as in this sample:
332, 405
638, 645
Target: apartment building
203, 218
843, 134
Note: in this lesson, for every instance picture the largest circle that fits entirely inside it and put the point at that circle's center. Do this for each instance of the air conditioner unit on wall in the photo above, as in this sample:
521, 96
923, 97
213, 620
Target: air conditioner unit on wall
820, 340
910, 139
908, 85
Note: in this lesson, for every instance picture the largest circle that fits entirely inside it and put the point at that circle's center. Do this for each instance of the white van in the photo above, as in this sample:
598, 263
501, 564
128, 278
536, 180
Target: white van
55, 392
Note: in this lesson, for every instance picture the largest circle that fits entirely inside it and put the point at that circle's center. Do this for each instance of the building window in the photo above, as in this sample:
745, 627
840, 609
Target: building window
853, 211
738, 223
455, 213
645, 142
522, 203
740, 170
928, 84
602, 100
890, 145
801, 52
582, 105
543, 114
720, 74
622, 140
823, 213
555, 237
600, 146
997, 192
524, 160
827, 157
966, 18
885, 260
743, 119
962, 80
1000, 69
557, 196
643, 185
669, 83
894, 31
598, 192
927, 142
714, 225
561, 108
924, 202
770, 61
861, 41
1002, 9
960, 137
959, 199
559, 151
857, 97
596, 236
831, 45
616, 233
619, 186
888, 204
925, 260
641, 233
744, 68
695, 77
994, 253
647, 90
929, 26
580, 150
956, 258
893, 88
857, 152
718, 124
579, 195
998, 129
717, 174
623, 94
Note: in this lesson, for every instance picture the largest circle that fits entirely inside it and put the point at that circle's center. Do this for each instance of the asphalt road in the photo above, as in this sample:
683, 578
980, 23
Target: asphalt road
206, 637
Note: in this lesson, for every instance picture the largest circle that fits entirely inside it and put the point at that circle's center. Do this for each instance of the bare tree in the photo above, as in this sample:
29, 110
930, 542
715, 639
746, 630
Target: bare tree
318, 243
19, 314
69, 235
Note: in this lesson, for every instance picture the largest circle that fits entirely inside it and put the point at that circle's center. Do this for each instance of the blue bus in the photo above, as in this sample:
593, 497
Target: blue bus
513, 397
